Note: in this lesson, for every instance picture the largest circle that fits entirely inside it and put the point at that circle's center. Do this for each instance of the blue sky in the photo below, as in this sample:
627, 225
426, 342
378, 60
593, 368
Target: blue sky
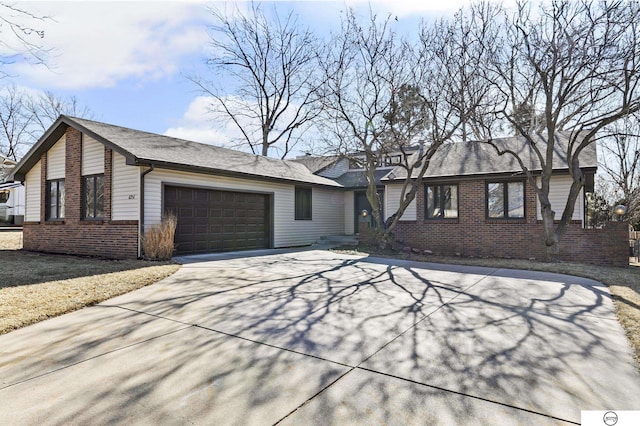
128, 62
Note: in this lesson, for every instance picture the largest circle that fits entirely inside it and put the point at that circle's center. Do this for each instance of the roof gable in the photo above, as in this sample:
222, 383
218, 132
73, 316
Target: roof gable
144, 148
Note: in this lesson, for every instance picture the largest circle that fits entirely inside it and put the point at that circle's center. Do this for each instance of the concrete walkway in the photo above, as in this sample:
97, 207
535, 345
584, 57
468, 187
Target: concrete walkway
313, 337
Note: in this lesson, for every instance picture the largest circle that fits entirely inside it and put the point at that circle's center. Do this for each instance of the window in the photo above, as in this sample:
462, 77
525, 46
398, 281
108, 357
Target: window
55, 199
93, 197
393, 160
4, 196
441, 202
505, 200
303, 203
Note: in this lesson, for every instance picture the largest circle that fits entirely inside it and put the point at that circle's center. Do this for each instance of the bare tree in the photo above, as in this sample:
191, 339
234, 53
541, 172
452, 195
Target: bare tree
25, 116
621, 165
272, 63
16, 122
577, 64
384, 96
20, 36
46, 107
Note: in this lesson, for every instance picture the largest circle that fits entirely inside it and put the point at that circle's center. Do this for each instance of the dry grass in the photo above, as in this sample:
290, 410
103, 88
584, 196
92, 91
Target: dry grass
34, 286
10, 240
157, 241
624, 283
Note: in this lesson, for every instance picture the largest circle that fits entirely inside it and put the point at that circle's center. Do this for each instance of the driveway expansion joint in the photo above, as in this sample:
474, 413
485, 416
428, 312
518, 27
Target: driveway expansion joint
64, 367
415, 382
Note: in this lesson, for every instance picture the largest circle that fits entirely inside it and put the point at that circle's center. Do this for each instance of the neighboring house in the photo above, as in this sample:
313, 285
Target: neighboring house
11, 194
92, 188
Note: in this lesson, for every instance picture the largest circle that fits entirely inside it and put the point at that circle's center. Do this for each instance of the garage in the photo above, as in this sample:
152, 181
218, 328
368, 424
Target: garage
216, 220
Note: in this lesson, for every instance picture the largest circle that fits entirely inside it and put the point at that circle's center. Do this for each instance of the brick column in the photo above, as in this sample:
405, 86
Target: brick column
73, 176
43, 187
108, 178
530, 203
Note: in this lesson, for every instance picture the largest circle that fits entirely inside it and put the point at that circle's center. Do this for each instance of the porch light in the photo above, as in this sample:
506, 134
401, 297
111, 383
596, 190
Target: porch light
364, 213
620, 210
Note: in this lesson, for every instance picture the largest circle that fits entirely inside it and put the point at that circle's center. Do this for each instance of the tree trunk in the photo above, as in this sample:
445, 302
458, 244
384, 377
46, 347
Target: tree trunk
551, 242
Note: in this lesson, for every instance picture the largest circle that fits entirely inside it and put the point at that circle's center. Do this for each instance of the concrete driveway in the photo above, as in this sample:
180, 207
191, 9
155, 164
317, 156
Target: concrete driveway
313, 337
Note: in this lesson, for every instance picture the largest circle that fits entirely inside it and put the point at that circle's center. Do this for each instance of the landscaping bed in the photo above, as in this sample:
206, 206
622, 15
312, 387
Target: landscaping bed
624, 283
37, 286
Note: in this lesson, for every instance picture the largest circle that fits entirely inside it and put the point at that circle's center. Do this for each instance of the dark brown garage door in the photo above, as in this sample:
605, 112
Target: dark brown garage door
213, 221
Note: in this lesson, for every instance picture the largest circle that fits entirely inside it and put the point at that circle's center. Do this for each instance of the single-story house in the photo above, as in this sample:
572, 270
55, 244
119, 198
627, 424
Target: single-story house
92, 188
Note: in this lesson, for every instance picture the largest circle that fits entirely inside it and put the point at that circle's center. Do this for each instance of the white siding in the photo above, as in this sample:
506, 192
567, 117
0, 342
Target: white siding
56, 160
32, 201
92, 156
349, 201
328, 204
125, 200
392, 203
558, 193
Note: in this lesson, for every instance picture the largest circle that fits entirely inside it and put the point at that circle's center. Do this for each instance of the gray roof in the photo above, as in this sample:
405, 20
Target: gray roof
358, 178
144, 148
316, 164
480, 158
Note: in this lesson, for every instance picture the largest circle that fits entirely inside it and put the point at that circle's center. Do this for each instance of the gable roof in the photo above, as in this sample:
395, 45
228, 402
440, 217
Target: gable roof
316, 164
480, 158
357, 178
144, 148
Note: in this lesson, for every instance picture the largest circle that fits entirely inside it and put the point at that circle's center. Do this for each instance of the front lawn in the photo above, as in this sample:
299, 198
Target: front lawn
36, 286
624, 283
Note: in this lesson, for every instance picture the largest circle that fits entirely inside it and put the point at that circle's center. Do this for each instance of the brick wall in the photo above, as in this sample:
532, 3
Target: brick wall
73, 235
472, 234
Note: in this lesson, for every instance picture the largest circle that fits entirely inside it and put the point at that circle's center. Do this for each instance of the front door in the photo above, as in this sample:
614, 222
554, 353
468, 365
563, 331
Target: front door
361, 202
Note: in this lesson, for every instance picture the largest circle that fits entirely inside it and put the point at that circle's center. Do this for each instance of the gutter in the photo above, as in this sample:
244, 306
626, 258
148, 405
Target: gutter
141, 221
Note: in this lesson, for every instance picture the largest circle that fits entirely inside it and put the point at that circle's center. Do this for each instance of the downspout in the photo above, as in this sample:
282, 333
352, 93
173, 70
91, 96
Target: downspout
141, 221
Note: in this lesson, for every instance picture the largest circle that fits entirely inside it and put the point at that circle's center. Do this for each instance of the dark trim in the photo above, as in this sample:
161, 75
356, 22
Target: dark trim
213, 188
426, 199
50, 137
485, 176
47, 200
141, 218
83, 198
229, 173
302, 215
505, 199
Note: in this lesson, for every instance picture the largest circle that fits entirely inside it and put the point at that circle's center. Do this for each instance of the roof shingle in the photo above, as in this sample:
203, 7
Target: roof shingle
148, 147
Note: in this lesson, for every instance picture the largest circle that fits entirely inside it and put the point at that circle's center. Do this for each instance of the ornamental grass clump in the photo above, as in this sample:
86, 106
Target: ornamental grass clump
157, 241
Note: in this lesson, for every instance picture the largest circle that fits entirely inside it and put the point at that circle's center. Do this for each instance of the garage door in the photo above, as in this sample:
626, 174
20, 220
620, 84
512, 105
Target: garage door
214, 221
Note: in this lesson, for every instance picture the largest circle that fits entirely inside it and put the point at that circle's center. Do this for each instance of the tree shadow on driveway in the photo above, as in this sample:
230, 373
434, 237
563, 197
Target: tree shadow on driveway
324, 338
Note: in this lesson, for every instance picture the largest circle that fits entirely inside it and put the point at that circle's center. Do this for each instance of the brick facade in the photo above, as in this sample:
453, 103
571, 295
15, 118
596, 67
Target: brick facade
73, 235
472, 234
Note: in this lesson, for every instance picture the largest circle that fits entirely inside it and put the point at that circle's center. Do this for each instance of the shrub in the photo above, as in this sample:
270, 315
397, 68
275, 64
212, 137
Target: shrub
157, 241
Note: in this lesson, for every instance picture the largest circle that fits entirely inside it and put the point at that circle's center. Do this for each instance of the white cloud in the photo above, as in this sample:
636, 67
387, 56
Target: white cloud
199, 124
98, 44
